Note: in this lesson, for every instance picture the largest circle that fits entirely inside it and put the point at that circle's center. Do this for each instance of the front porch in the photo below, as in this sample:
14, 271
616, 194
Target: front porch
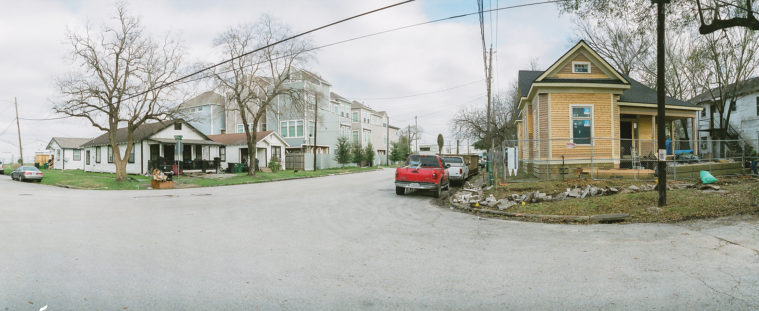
194, 155
637, 135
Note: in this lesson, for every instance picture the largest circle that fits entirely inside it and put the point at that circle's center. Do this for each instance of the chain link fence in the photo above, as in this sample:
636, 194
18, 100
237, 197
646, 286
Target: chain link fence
605, 158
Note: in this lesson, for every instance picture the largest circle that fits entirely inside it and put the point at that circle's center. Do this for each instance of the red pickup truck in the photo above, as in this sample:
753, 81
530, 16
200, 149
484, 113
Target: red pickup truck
427, 172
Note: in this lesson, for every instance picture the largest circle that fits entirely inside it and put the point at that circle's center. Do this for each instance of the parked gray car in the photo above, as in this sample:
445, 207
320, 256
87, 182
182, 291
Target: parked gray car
24, 173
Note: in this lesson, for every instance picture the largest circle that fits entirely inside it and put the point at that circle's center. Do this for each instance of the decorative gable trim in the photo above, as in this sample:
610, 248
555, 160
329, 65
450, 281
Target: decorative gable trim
593, 55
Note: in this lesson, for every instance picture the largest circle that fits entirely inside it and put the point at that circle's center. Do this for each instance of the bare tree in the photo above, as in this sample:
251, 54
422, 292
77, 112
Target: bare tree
120, 69
472, 123
715, 15
730, 57
707, 15
254, 80
623, 43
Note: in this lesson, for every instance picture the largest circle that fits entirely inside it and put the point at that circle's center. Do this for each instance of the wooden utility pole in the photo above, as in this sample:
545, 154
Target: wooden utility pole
416, 133
408, 133
491, 157
18, 128
660, 102
387, 140
316, 122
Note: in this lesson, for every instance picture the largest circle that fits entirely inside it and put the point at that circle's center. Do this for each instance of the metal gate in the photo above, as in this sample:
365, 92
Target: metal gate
294, 160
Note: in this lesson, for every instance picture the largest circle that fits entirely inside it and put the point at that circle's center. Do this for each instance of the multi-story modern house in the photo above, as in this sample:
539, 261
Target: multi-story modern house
342, 108
206, 112
743, 127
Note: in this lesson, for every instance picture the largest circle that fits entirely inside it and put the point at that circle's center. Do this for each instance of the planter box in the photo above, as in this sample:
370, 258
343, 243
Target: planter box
162, 184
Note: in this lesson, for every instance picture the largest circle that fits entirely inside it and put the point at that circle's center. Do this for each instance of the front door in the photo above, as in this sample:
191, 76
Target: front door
87, 157
625, 134
243, 155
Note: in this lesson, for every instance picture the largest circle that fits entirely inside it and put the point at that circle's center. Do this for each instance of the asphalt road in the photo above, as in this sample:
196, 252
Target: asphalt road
348, 242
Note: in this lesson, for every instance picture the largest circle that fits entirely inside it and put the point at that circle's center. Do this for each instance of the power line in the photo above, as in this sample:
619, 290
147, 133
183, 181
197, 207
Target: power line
177, 81
265, 47
424, 93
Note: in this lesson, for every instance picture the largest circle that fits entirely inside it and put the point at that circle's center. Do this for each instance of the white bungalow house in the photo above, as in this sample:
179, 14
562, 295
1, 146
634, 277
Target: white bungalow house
269, 145
154, 144
67, 152
744, 116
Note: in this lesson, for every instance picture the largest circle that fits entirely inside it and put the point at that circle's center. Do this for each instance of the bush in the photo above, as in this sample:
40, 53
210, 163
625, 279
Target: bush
343, 151
357, 154
274, 165
369, 154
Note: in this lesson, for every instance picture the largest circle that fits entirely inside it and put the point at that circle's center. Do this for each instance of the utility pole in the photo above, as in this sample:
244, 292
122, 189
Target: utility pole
18, 128
408, 133
457, 147
491, 170
416, 133
660, 104
316, 120
387, 140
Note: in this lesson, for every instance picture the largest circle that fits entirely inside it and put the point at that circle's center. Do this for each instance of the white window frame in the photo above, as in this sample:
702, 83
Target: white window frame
355, 116
580, 63
287, 127
355, 137
77, 156
240, 128
592, 123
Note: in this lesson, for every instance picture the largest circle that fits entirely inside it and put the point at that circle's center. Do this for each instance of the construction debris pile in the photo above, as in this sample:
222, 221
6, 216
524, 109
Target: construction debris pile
472, 196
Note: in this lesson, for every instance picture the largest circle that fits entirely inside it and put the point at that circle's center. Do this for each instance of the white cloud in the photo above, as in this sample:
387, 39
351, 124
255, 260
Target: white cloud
410, 61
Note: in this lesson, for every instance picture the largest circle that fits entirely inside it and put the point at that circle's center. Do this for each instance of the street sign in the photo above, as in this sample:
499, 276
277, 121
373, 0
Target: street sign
177, 137
571, 145
662, 154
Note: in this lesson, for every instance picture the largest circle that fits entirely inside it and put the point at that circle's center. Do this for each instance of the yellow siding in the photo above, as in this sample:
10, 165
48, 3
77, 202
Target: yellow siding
595, 71
530, 136
601, 123
645, 134
543, 125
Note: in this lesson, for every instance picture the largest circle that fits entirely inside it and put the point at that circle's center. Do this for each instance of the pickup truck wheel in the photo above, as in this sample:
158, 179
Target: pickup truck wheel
400, 190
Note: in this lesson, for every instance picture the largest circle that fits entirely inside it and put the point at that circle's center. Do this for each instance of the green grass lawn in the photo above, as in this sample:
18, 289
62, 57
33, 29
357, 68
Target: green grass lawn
243, 178
742, 197
105, 181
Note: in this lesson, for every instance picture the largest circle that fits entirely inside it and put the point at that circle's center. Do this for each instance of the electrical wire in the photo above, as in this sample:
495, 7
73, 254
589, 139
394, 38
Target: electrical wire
335, 43
424, 93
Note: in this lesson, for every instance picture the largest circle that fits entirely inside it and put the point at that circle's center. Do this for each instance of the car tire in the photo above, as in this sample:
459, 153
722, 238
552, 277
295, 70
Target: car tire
400, 190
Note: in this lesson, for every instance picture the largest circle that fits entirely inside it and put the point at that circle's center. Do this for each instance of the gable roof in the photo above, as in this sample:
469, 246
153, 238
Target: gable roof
205, 98
581, 46
640, 93
241, 139
744, 87
68, 142
142, 132
636, 93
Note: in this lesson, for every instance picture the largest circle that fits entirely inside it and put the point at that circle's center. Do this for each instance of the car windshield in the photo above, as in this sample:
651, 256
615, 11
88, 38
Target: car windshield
453, 161
29, 168
426, 161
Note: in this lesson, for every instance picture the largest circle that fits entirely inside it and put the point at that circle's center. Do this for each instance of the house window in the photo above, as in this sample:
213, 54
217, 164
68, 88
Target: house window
276, 153
110, 155
223, 153
733, 106
355, 137
355, 117
580, 67
240, 128
757, 105
703, 113
582, 124
131, 155
58, 153
77, 155
98, 155
334, 108
87, 157
292, 128
178, 126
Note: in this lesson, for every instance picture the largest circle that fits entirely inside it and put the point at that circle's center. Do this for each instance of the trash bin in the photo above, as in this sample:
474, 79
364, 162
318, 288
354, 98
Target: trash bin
238, 168
44, 166
37, 165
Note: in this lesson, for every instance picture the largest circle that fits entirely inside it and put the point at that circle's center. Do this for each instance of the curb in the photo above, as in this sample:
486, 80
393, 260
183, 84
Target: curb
601, 218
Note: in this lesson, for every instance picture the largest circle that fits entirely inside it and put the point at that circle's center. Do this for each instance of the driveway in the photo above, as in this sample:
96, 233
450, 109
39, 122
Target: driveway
348, 242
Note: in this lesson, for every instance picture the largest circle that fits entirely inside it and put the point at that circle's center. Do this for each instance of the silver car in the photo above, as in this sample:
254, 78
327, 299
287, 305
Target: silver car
24, 173
458, 172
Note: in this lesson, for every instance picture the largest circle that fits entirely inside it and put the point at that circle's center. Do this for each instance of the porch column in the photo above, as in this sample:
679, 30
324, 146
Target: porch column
695, 134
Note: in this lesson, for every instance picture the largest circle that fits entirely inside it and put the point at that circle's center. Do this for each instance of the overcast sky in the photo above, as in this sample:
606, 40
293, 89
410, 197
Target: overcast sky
423, 59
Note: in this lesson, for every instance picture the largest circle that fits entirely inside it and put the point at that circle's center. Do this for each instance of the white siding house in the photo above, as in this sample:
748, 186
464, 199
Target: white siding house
269, 145
744, 115
154, 144
68, 153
